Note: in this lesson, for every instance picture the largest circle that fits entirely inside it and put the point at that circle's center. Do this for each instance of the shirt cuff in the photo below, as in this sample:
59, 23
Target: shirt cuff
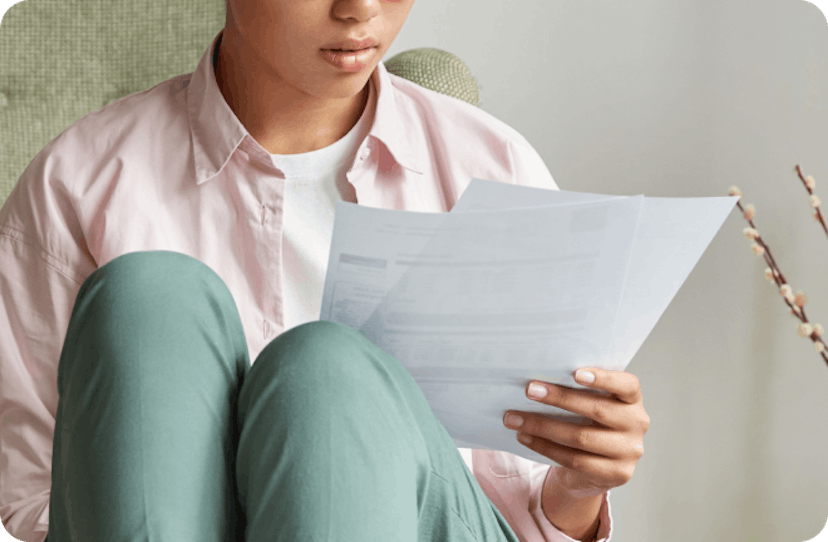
552, 533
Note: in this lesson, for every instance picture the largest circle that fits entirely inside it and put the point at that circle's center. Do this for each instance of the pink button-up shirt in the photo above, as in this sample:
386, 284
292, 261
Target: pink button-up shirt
173, 168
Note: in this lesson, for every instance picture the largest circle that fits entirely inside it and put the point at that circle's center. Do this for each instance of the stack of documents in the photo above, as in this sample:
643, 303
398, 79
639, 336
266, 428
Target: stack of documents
514, 284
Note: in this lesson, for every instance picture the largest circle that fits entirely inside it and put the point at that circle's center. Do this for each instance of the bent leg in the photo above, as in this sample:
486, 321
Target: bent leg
148, 380
338, 443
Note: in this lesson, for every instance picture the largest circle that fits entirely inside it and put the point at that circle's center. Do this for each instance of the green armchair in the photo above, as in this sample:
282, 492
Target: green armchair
63, 59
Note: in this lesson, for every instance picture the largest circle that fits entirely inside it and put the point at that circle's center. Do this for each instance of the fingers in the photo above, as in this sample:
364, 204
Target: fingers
562, 437
625, 386
604, 410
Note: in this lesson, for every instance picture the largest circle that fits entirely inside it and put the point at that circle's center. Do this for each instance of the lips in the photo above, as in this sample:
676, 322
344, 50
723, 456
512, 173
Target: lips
352, 61
351, 44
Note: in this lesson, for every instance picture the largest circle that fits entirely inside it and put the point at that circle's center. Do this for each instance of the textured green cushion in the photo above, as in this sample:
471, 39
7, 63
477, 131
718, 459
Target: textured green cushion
437, 70
63, 59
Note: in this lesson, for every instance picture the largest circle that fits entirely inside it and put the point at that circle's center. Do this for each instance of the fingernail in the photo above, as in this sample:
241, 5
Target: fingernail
584, 377
524, 438
513, 421
537, 391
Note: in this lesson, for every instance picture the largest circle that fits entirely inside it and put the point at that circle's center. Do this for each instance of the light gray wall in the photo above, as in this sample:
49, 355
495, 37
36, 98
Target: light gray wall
686, 98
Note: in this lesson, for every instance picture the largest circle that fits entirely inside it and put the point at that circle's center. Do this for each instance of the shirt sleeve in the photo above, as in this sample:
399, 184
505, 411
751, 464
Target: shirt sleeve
527, 166
514, 485
43, 267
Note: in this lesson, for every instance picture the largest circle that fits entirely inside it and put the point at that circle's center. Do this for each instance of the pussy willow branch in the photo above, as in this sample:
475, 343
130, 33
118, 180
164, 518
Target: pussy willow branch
811, 192
778, 277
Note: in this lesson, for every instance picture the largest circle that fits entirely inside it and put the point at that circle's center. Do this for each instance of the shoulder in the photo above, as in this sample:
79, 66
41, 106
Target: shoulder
46, 197
460, 129
137, 116
449, 109
100, 139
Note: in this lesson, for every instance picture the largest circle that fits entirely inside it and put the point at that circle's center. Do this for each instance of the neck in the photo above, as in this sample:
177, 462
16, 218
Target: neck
295, 123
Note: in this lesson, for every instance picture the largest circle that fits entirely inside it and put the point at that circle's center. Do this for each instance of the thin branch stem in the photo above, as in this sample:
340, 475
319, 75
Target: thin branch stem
811, 192
778, 277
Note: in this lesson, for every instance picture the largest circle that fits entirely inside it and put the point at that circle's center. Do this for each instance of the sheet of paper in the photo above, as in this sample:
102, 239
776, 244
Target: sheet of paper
671, 237
514, 284
475, 305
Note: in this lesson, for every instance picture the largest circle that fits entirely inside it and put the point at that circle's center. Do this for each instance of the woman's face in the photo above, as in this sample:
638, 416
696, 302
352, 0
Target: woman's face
284, 39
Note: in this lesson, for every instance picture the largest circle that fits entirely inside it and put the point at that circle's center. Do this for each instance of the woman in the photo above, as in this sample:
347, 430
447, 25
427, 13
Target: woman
159, 244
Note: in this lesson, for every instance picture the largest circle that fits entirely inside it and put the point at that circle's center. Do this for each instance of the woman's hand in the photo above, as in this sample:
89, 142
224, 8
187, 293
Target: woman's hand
603, 453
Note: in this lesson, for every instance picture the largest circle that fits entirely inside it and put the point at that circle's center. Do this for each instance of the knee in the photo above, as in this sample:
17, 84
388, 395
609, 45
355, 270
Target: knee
316, 355
154, 293
322, 369
154, 306
141, 279
319, 342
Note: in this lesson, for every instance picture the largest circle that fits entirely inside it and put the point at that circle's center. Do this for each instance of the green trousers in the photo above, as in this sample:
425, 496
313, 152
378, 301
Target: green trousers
165, 433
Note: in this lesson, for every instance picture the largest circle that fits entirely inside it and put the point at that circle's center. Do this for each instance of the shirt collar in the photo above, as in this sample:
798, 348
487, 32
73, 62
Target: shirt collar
216, 131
